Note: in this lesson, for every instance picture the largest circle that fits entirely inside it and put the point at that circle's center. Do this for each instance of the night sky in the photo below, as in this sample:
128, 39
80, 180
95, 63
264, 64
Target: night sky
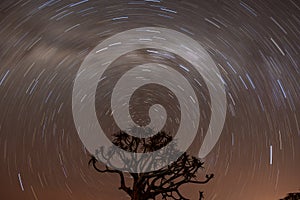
254, 44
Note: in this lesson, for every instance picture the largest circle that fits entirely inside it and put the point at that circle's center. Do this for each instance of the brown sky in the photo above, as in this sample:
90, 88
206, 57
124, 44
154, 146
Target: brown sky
255, 45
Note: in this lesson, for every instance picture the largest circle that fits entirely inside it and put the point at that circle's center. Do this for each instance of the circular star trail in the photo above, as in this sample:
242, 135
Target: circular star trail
254, 44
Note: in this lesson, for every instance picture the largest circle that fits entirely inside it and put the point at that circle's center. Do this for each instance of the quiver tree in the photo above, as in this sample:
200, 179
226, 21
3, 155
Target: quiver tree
164, 182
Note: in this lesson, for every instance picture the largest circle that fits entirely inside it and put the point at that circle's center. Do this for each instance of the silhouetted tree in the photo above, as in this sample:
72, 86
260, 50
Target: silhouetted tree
292, 196
164, 182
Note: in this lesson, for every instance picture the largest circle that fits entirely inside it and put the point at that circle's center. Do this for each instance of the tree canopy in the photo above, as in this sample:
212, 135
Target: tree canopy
164, 182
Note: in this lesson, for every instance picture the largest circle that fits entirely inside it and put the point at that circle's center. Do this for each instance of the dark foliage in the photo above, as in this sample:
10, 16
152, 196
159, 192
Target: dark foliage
165, 182
292, 196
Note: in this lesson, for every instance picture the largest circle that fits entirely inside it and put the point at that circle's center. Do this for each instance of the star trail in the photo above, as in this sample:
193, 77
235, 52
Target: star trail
254, 44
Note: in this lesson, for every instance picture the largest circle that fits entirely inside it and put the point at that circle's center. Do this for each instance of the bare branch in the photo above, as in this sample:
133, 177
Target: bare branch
165, 182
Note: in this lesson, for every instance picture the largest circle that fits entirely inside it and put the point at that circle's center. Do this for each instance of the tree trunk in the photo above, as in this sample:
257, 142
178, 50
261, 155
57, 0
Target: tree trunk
136, 193
137, 190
